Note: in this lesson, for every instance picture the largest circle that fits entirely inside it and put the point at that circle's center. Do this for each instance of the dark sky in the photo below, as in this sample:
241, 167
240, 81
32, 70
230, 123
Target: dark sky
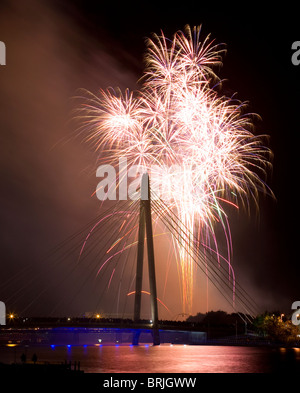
55, 48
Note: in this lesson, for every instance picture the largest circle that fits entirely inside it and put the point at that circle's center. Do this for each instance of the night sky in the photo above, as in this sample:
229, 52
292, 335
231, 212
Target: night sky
55, 48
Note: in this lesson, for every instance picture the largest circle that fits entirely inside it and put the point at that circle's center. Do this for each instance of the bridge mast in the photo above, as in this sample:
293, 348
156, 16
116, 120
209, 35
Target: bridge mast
145, 225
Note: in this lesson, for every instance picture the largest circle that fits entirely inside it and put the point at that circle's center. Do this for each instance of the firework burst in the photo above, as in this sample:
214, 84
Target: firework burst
201, 142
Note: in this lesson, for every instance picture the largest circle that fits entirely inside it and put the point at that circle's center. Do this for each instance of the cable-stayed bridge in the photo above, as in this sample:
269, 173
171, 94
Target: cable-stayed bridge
106, 257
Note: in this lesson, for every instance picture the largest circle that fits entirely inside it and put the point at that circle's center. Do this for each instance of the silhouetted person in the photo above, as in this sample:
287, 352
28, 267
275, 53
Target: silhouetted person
23, 358
34, 358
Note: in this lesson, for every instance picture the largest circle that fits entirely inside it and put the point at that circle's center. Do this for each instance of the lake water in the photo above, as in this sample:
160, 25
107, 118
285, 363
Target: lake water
162, 359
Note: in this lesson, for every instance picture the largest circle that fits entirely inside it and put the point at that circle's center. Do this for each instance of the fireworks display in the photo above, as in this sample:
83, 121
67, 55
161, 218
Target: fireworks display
197, 144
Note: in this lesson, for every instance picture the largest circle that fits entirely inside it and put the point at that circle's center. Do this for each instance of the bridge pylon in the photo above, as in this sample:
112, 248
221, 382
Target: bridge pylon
145, 227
